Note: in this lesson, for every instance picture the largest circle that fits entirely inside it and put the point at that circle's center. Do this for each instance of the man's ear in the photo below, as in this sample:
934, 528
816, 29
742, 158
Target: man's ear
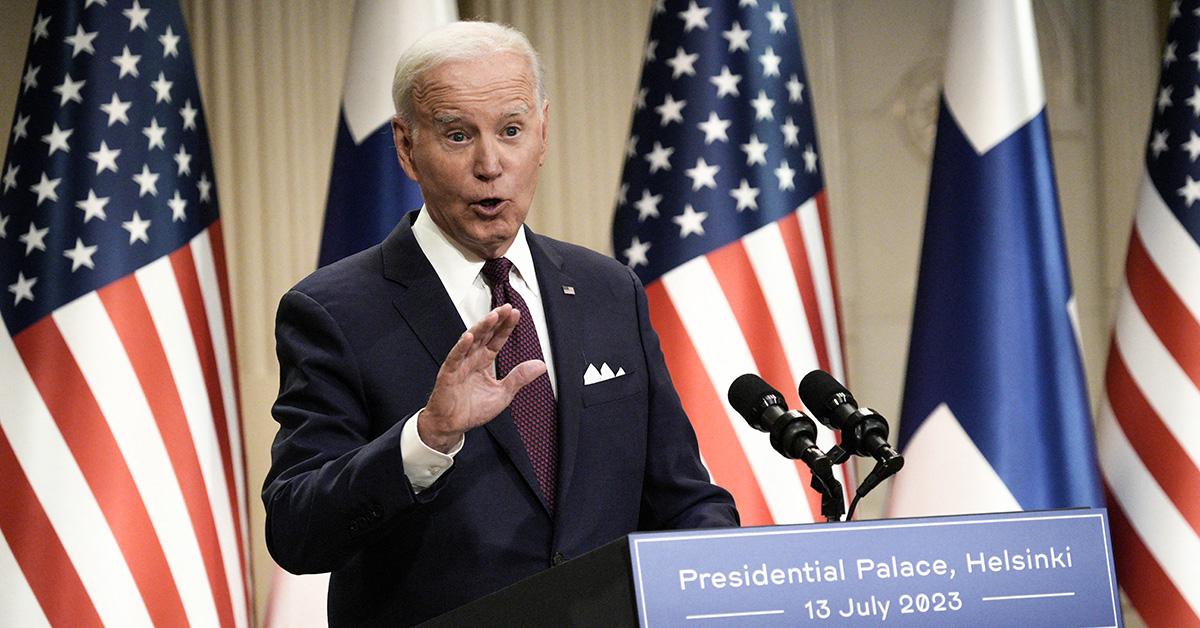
545, 132
402, 136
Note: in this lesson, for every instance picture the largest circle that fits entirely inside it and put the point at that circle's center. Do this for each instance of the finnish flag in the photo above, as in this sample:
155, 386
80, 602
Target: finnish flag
995, 414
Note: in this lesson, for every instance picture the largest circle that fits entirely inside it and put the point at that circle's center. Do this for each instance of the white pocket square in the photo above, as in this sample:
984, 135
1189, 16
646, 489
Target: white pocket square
595, 375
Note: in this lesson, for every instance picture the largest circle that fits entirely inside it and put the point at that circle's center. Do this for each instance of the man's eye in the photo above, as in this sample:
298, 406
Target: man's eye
458, 136
511, 131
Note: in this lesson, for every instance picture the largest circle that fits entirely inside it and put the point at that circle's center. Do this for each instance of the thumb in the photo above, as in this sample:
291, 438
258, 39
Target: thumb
522, 374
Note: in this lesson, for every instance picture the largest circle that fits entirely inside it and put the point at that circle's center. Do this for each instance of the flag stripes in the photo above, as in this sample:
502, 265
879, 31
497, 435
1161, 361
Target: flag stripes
699, 348
705, 407
121, 437
16, 598
1141, 576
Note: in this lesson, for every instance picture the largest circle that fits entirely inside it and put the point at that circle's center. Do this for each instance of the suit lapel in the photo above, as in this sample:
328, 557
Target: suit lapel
426, 307
565, 321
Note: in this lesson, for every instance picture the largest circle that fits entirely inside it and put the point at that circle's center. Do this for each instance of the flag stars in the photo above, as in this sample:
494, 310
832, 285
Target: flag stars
147, 182
791, 132
1169, 54
1164, 98
137, 16
68, 90
46, 188
778, 18
670, 110
162, 89
738, 38
56, 139
770, 62
105, 157
622, 193
23, 289
154, 135
127, 63
204, 185
10, 177
1194, 101
746, 196
117, 110
726, 82
810, 159
1190, 191
786, 176
756, 151
659, 157
29, 80
795, 90
81, 255
183, 162
93, 207
4, 227
636, 253
694, 17
89, 3
41, 28
683, 63
651, 52
170, 43
188, 112
138, 229
690, 221
179, 207
762, 106
19, 130
715, 128
34, 239
647, 206
81, 41
1195, 57
1159, 143
639, 102
1192, 146
630, 146
703, 175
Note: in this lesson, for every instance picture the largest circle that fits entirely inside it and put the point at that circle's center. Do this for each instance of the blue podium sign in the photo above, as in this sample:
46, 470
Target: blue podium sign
1048, 568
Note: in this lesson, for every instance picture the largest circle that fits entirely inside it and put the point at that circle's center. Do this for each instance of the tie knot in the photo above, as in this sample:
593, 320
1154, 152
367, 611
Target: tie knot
496, 270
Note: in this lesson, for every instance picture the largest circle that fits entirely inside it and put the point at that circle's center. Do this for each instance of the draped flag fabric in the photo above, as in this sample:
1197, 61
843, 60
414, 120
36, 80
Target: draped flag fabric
995, 414
1149, 421
368, 193
721, 213
121, 465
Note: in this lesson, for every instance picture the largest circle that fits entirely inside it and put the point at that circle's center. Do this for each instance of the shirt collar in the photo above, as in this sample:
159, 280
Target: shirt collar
459, 268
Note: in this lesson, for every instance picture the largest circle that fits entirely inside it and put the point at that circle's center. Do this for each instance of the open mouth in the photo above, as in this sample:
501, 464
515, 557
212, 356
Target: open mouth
489, 202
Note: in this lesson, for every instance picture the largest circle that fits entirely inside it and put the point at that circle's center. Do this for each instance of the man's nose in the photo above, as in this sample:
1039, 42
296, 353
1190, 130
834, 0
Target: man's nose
487, 160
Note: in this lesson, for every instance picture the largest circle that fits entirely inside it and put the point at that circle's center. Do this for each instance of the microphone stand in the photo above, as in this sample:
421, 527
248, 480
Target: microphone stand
785, 439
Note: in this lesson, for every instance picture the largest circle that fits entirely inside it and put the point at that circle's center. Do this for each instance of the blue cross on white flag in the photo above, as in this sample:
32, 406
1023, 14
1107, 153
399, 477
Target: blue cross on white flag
995, 413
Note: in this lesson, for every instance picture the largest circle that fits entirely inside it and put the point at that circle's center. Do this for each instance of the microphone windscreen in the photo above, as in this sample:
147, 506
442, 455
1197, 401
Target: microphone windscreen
818, 387
746, 394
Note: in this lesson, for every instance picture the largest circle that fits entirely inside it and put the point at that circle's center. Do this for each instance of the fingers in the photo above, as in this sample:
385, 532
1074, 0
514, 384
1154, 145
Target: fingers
504, 329
522, 374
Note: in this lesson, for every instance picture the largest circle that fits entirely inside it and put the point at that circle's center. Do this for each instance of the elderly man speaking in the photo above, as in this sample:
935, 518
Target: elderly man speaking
469, 403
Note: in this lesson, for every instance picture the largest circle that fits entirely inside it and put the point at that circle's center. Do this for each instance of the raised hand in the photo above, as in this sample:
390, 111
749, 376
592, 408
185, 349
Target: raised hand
467, 393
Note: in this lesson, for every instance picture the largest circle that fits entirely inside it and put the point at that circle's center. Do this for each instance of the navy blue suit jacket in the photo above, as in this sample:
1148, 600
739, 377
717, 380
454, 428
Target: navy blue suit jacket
359, 345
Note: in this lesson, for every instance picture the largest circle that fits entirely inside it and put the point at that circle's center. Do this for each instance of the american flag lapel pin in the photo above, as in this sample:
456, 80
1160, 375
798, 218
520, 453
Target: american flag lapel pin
569, 290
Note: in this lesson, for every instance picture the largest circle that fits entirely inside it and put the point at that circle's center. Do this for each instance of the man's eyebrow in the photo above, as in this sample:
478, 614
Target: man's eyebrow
520, 110
446, 118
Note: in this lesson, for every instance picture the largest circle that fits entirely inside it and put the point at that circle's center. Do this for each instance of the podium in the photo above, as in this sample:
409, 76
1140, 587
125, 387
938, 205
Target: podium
1045, 568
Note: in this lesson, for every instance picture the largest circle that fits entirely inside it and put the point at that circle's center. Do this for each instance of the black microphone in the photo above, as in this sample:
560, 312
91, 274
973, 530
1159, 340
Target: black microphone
864, 431
793, 434
764, 408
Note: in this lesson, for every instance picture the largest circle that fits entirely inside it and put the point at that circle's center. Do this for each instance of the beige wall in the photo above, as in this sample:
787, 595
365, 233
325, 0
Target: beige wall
271, 74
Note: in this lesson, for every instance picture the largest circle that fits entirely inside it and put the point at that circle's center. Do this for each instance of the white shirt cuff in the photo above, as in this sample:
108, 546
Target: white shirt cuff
422, 464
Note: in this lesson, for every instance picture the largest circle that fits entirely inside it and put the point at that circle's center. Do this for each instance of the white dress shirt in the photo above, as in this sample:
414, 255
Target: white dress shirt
461, 274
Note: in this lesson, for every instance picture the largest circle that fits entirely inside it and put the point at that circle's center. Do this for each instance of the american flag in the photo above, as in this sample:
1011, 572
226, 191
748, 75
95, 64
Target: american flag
721, 213
120, 446
1149, 420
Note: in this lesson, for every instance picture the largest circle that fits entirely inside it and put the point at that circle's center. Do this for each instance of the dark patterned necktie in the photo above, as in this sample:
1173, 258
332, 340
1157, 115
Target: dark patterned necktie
533, 408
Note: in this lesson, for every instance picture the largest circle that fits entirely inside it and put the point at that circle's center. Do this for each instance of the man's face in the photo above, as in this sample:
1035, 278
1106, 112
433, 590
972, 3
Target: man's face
474, 147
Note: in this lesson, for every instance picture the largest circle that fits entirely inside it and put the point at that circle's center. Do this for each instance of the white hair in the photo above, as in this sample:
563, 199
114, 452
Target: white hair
459, 41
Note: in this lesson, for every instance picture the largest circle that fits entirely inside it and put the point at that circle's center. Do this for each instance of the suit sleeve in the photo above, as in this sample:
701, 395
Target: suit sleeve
677, 492
333, 487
